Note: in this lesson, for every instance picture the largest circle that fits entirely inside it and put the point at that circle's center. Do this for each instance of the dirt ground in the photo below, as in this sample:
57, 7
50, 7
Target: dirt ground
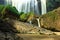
39, 37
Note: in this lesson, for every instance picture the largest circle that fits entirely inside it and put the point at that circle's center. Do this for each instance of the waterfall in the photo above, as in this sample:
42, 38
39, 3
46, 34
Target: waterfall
36, 7
22, 5
8, 2
29, 6
26, 5
30, 22
43, 6
38, 22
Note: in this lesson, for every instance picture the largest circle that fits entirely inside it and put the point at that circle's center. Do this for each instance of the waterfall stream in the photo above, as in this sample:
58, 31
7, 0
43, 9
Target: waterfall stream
43, 6
38, 22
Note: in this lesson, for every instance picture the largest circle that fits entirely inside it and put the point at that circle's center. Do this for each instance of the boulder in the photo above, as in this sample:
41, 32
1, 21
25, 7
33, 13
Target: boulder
51, 20
6, 27
8, 32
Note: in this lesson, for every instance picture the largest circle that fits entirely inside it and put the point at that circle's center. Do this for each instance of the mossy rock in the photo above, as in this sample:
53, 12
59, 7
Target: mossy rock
51, 20
9, 11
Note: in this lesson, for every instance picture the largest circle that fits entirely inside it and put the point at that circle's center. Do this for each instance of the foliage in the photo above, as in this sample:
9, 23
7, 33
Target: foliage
25, 16
12, 9
9, 10
21, 13
30, 17
1, 8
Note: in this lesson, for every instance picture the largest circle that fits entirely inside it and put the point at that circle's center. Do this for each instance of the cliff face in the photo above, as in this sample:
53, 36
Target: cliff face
51, 20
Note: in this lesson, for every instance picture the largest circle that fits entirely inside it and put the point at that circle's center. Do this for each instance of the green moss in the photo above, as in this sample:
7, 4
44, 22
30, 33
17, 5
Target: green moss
9, 10
21, 13
13, 10
1, 8
23, 17
30, 16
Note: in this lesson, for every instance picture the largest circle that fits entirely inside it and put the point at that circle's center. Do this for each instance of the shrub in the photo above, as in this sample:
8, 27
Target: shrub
9, 11
23, 17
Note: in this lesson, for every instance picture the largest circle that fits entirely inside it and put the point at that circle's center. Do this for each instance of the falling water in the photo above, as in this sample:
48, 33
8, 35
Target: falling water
26, 5
30, 22
43, 6
36, 7
8, 2
38, 22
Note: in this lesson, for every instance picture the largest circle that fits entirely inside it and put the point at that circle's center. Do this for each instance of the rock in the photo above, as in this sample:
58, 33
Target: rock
9, 36
51, 20
6, 27
7, 31
26, 28
46, 32
20, 26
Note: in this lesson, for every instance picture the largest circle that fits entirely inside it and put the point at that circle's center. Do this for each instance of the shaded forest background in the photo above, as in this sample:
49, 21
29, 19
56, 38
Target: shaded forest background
51, 5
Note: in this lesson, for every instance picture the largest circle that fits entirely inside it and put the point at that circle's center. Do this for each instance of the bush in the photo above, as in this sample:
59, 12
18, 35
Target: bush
23, 17
9, 11
26, 16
